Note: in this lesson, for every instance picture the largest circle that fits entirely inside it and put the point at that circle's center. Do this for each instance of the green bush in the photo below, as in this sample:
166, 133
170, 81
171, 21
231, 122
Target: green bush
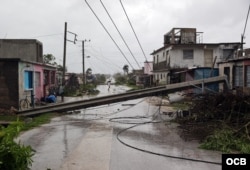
13, 155
120, 79
226, 141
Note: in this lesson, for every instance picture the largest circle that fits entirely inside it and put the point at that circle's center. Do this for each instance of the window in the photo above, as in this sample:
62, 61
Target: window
228, 54
28, 80
188, 54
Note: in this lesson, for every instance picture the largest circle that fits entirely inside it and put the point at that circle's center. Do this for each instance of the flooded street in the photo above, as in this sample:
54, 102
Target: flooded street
131, 135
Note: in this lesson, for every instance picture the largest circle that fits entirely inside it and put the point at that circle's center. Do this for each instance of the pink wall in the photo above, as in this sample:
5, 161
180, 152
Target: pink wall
38, 81
148, 67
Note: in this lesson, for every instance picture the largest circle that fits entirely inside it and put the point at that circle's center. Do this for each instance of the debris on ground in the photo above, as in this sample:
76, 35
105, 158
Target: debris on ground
212, 112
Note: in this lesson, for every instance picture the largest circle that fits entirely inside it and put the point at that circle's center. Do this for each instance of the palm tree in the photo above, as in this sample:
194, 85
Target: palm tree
125, 69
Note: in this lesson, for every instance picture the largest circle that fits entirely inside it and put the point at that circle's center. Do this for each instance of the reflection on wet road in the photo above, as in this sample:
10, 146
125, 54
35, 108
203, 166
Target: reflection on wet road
87, 139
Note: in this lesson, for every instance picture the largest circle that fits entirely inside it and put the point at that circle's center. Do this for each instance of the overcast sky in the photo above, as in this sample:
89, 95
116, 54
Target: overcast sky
220, 20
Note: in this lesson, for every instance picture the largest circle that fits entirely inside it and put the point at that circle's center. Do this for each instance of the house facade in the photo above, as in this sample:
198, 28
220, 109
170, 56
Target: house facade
237, 70
23, 73
183, 49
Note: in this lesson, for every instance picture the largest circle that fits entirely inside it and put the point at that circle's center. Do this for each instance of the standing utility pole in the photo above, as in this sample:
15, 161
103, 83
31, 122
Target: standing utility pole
83, 63
64, 59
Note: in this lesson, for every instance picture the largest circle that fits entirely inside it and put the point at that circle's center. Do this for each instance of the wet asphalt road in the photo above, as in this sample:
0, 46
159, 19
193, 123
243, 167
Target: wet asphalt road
88, 139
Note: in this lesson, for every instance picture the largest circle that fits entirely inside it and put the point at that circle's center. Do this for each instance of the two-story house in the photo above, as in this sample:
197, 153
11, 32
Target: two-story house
185, 57
22, 71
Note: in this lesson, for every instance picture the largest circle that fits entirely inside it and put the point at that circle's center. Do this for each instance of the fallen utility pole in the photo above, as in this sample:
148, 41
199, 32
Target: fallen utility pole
160, 90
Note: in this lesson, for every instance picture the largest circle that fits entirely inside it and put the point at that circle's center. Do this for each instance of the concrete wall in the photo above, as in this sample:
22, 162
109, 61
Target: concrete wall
161, 77
29, 50
9, 84
174, 57
177, 61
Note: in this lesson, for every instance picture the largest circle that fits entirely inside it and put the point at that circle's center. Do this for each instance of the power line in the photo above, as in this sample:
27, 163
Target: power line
120, 33
133, 30
107, 61
48, 35
109, 34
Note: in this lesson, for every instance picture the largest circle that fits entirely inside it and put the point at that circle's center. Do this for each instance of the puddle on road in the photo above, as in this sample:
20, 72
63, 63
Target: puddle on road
63, 134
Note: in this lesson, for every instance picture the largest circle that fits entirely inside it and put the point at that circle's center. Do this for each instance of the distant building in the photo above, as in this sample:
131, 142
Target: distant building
144, 77
22, 71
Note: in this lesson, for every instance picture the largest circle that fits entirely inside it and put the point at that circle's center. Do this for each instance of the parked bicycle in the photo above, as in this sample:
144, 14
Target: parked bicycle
26, 103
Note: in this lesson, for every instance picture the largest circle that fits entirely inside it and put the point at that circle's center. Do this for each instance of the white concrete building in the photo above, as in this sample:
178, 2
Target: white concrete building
183, 49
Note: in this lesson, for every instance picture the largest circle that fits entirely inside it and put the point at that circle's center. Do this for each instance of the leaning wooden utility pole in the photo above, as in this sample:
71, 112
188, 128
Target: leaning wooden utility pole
243, 34
64, 60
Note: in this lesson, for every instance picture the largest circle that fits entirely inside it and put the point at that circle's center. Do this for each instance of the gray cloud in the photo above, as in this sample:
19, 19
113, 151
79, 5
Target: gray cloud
220, 20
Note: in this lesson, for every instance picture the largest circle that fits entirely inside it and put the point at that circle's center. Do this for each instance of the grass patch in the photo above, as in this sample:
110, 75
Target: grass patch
39, 120
29, 123
10, 118
227, 141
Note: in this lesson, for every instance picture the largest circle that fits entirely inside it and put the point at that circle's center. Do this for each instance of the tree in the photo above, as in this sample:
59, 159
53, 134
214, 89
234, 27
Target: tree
125, 69
90, 78
89, 71
120, 79
100, 78
49, 59
60, 68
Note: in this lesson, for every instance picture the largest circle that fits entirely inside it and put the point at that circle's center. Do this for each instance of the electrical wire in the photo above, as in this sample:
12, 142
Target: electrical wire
109, 34
155, 153
120, 33
48, 35
151, 152
133, 30
110, 64
105, 58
